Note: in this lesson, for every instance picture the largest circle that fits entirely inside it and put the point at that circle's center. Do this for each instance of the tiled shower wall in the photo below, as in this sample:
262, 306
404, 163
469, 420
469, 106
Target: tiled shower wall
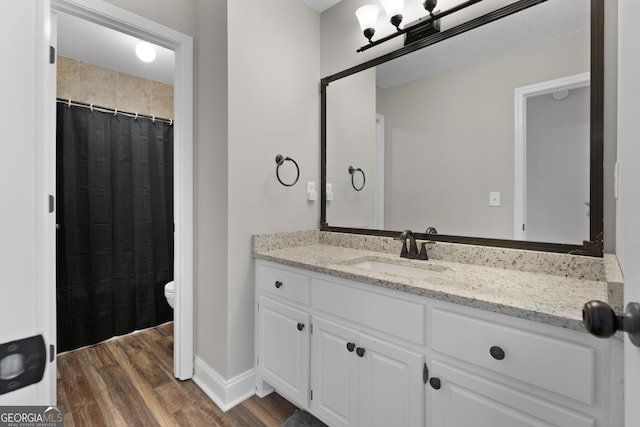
91, 84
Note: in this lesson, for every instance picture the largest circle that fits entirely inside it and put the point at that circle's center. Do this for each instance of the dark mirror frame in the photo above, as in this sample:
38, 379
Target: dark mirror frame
592, 247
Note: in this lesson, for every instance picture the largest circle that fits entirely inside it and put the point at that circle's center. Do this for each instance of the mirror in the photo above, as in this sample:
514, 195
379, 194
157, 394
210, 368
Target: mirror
487, 134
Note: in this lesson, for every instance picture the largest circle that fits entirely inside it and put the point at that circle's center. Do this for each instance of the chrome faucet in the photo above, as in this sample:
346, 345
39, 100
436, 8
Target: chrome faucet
412, 251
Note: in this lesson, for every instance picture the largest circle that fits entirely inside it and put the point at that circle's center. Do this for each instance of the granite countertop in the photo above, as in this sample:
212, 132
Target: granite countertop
551, 299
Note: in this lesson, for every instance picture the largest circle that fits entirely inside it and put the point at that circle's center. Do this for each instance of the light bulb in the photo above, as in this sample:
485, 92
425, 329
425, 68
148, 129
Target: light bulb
368, 18
146, 52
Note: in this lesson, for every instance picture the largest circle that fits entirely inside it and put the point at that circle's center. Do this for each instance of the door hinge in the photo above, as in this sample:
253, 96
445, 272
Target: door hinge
52, 55
311, 327
311, 394
523, 227
52, 353
425, 373
52, 203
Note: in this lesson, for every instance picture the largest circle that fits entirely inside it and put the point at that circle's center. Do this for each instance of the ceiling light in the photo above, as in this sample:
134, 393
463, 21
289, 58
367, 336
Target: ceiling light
146, 52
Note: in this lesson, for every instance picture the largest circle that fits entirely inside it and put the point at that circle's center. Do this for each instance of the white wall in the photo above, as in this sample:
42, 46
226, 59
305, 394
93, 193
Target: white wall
273, 109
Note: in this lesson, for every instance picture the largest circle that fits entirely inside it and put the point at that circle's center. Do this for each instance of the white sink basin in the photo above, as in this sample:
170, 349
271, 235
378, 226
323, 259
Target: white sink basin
400, 269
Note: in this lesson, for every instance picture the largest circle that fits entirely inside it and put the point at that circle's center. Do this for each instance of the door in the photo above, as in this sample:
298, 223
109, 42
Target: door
628, 218
391, 389
27, 246
284, 349
334, 375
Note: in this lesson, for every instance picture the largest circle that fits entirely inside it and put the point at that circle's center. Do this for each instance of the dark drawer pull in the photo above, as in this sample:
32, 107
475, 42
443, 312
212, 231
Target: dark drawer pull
300, 326
278, 284
496, 352
350, 347
435, 383
360, 351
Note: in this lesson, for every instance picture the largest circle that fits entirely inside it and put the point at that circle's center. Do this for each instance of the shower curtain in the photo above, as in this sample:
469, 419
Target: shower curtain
115, 215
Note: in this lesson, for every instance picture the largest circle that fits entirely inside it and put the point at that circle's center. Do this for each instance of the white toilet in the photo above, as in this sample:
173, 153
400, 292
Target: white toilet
170, 292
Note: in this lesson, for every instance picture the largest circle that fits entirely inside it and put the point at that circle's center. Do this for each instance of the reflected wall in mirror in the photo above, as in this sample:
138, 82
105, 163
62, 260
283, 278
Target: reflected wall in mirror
485, 134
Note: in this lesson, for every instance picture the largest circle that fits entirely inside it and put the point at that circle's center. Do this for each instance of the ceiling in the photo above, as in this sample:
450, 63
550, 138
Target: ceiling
320, 5
88, 42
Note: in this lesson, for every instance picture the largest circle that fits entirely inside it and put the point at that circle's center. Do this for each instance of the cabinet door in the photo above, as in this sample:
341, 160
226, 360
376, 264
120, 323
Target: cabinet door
284, 349
334, 373
465, 399
391, 387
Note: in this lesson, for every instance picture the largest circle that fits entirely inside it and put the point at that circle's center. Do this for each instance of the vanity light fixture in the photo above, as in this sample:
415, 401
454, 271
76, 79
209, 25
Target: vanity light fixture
146, 52
394, 9
368, 17
415, 30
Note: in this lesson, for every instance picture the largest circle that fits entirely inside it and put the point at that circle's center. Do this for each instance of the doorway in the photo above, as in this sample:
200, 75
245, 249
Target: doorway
552, 145
120, 20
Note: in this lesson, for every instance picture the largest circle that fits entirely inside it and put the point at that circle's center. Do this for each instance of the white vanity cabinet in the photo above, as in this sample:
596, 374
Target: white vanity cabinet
360, 379
491, 370
364, 352
283, 332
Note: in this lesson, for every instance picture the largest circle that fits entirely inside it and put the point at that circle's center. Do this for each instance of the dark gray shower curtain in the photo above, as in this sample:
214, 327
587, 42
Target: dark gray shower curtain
115, 211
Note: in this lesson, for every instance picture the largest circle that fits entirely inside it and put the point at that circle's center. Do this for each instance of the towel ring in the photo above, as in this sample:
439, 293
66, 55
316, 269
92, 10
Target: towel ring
280, 160
352, 172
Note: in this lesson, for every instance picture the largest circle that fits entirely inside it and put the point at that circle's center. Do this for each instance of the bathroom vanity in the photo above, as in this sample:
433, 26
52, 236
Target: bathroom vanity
474, 336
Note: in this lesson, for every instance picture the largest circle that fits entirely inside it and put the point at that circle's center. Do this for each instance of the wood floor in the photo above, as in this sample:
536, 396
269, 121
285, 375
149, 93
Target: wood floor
129, 381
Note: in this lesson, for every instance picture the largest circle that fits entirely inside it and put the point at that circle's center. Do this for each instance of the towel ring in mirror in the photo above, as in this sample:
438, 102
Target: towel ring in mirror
280, 159
352, 172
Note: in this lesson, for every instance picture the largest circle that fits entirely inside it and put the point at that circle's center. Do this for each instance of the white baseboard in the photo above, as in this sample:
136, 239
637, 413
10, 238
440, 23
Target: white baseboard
224, 393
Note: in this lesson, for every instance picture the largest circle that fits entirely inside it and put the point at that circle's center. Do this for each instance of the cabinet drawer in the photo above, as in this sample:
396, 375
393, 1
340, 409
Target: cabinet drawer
549, 363
283, 283
396, 317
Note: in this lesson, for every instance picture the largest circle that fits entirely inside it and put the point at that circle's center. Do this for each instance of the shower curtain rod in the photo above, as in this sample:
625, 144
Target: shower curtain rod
113, 111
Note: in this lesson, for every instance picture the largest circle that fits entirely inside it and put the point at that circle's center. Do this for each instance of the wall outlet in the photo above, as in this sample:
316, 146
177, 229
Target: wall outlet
494, 198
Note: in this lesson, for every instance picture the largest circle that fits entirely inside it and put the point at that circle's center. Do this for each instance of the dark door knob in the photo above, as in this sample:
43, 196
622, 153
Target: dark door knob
278, 284
351, 346
360, 351
435, 383
496, 352
600, 320
300, 326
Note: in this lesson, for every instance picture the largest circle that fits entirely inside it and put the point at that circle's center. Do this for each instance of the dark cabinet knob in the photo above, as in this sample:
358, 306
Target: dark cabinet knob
300, 326
600, 320
350, 347
360, 351
435, 383
496, 352
278, 284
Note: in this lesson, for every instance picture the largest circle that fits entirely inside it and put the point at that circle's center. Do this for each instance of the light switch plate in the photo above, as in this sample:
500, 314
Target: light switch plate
494, 198
312, 194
